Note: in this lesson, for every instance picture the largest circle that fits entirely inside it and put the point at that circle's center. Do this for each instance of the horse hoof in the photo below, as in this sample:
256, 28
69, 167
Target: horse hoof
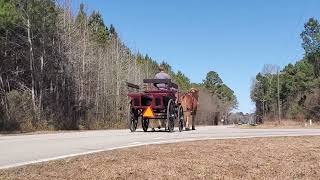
187, 129
193, 128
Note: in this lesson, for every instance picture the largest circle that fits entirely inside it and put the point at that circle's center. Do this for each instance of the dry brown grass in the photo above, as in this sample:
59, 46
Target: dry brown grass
258, 158
284, 123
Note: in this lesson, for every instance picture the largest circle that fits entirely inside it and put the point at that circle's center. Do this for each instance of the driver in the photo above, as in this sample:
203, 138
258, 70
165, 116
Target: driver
161, 75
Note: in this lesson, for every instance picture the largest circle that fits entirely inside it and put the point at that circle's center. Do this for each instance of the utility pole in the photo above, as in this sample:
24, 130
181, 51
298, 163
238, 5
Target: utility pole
279, 108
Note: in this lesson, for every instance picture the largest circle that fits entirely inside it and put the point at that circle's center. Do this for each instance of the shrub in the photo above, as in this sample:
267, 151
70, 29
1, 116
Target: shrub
295, 111
312, 104
20, 111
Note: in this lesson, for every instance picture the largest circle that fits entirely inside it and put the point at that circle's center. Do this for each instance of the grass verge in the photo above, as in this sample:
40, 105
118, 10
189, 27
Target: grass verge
284, 124
257, 158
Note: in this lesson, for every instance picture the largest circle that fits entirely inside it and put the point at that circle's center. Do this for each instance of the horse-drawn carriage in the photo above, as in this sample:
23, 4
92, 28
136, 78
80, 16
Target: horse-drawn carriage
155, 104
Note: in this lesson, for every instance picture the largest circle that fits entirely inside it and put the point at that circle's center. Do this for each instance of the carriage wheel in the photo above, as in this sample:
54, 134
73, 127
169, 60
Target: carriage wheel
132, 119
180, 118
145, 124
170, 115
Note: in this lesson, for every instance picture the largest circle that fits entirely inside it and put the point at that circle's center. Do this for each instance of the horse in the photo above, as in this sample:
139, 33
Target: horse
189, 103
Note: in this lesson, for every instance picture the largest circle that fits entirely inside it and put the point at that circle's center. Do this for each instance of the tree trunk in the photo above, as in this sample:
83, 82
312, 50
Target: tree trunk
5, 103
31, 61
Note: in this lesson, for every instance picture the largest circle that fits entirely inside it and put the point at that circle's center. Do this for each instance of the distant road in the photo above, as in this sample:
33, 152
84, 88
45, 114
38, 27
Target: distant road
26, 149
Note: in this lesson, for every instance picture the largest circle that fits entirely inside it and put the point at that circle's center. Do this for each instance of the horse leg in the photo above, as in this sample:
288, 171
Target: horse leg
193, 121
187, 120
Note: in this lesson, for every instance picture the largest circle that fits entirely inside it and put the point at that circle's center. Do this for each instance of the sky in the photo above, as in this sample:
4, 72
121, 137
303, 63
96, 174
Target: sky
234, 38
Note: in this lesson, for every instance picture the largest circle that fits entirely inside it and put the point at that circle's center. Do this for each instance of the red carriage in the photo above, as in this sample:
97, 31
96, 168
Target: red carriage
155, 104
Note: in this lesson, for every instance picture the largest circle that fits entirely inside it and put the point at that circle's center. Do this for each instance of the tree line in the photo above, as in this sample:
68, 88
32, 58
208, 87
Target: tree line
60, 71
294, 91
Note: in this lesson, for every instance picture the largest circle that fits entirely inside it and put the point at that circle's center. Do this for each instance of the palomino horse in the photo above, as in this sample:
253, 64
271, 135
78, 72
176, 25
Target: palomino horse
189, 102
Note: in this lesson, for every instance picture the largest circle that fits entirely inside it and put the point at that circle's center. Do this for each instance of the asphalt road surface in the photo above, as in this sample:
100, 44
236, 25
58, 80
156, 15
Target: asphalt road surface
20, 150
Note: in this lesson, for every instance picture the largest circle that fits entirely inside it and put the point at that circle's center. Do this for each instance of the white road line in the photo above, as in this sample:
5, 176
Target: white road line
146, 143
156, 138
133, 143
65, 156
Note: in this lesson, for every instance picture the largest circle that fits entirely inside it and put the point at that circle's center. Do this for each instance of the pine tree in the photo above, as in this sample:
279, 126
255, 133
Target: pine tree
97, 27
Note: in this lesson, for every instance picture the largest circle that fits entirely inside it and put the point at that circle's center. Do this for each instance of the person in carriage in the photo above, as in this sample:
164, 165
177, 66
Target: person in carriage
160, 75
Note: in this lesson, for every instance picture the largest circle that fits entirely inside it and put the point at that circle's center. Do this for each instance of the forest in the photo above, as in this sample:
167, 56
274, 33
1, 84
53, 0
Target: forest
60, 71
294, 91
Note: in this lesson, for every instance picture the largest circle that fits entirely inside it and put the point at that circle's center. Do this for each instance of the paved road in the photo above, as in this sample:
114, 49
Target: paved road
26, 149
